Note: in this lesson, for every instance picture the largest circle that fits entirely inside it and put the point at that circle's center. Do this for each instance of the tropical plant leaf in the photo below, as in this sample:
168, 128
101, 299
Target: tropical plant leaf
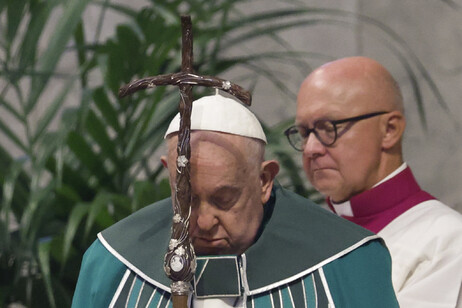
118, 8
85, 154
5, 129
97, 131
44, 262
109, 113
147, 192
12, 110
40, 14
150, 133
9, 184
75, 218
48, 61
98, 209
15, 11
79, 39
21, 182
30, 220
51, 111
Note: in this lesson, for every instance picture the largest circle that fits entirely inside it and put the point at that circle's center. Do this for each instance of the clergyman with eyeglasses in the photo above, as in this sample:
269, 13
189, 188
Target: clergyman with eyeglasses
349, 127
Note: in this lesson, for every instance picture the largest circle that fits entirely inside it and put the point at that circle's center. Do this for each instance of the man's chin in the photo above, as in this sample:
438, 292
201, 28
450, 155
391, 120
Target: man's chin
332, 193
326, 191
326, 186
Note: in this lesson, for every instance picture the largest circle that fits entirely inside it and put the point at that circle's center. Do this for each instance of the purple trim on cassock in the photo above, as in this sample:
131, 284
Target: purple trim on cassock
377, 207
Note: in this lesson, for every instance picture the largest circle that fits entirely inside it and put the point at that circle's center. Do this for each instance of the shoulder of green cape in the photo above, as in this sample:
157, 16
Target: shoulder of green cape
298, 238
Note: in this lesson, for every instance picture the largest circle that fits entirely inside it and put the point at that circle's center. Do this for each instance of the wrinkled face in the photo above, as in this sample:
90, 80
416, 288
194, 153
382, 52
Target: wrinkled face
351, 164
227, 209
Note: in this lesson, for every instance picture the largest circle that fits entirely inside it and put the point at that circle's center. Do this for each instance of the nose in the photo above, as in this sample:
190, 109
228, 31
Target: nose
313, 147
206, 218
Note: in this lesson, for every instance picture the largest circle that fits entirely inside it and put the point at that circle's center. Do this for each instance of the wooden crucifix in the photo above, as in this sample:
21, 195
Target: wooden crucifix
180, 262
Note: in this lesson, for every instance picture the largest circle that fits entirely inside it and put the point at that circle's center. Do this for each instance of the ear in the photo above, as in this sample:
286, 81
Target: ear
394, 129
268, 172
163, 159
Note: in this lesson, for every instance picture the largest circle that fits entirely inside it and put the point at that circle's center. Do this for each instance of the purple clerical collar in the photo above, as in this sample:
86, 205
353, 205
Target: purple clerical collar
375, 208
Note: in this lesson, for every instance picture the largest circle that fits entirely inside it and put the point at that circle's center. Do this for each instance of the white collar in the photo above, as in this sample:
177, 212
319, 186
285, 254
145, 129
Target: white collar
398, 170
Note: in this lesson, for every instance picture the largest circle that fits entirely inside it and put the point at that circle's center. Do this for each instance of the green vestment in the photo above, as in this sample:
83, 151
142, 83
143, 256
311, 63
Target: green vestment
304, 256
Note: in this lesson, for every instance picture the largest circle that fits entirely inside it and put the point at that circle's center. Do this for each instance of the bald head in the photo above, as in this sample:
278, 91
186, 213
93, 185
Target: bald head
357, 76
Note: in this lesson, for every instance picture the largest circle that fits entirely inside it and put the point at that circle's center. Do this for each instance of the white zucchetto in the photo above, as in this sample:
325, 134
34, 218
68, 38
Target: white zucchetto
221, 114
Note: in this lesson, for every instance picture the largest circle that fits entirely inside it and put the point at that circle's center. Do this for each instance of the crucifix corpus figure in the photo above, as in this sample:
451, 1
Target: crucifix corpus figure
179, 262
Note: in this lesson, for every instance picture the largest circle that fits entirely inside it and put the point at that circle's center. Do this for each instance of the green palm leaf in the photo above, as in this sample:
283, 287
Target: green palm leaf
59, 39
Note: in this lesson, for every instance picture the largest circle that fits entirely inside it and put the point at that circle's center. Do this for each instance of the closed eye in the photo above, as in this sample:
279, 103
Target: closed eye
225, 197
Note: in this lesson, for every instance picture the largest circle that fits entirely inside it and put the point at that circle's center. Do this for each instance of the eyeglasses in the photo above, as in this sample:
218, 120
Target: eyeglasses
325, 130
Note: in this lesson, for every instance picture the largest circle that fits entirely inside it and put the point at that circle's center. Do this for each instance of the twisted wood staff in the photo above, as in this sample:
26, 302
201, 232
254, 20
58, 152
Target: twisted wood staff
179, 261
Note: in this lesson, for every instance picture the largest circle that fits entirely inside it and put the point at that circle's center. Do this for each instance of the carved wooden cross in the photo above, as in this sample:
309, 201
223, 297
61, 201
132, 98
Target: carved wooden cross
179, 262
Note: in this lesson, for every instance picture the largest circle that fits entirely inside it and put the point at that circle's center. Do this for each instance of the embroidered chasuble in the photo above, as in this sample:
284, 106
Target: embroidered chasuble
304, 256
423, 235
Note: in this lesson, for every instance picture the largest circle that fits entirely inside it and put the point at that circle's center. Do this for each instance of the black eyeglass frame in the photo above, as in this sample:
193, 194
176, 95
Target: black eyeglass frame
296, 128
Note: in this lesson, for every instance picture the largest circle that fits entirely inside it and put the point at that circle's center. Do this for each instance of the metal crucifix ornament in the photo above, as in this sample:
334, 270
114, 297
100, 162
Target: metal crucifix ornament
179, 261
